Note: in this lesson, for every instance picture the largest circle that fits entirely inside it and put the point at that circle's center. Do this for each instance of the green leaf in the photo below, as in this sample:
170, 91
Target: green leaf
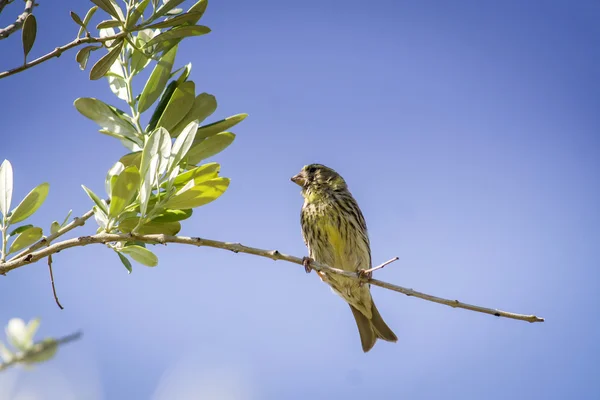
198, 174
76, 18
157, 81
141, 255
32, 328
167, 6
86, 20
179, 33
66, 219
50, 347
198, 195
25, 239
198, 9
135, 15
16, 333
109, 23
54, 227
172, 216
30, 203
162, 104
100, 217
175, 11
110, 7
132, 159
99, 202
126, 186
125, 262
155, 158
103, 65
178, 106
109, 118
139, 58
83, 55
6, 187
182, 144
189, 17
111, 177
20, 229
29, 31
209, 147
219, 126
150, 228
5, 354
204, 105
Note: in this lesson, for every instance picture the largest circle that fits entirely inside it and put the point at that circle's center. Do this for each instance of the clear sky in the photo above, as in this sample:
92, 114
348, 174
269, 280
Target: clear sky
469, 133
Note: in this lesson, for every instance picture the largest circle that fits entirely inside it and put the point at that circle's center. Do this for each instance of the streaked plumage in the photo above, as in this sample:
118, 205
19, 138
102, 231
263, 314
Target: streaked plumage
335, 232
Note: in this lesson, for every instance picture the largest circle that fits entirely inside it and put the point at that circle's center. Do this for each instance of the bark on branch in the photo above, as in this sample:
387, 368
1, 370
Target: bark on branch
15, 26
37, 255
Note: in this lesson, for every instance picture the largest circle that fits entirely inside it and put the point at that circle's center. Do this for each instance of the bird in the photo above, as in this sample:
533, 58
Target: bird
335, 233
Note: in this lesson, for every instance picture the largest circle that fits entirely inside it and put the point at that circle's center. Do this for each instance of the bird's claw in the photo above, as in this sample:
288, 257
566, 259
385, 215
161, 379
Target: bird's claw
306, 262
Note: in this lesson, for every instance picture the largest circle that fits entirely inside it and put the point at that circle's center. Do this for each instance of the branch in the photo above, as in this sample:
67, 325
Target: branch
57, 52
77, 221
239, 248
38, 349
12, 28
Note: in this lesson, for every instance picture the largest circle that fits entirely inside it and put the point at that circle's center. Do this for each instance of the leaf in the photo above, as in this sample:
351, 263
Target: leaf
100, 217
111, 176
198, 195
125, 262
16, 333
50, 347
167, 6
175, 11
172, 216
29, 31
110, 7
135, 15
209, 147
150, 228
155, 158
132, 159
110, 118
162, 104
76, 18
30, 203
178, 106
66, 219
141, 255
204, 105
179, 33
182, 144
32, 328
126, 186
103, 65
25, 239
20, 229
101, 204
54, 227
157, 81
117, 83
83, 55
6, 355
189, 17
109, 23
6, 187
198, 174
198, 9
86, 20
139, 58
219, 126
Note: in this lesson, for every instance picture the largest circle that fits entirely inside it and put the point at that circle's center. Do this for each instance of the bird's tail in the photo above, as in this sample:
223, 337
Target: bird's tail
372, 329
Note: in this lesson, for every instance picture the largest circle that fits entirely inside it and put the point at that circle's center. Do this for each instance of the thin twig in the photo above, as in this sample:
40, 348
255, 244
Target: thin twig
52, 281
77, 221
371, 270
15, 26
58, 51
239, 248
39, 348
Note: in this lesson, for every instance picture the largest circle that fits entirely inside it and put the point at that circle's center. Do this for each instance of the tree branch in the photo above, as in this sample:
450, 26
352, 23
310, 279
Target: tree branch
38, 349
58, 51
239, 248
15, 26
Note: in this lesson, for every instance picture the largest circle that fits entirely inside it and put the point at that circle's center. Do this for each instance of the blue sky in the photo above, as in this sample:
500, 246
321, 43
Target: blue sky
469, 133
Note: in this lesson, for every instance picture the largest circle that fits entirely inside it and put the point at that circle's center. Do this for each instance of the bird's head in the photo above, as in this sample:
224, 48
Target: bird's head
318, 178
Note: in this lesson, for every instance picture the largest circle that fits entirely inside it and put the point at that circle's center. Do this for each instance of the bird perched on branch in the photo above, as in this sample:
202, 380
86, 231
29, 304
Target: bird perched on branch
335, 232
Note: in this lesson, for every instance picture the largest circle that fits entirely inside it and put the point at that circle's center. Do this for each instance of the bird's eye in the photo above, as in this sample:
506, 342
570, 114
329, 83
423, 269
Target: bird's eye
312, 170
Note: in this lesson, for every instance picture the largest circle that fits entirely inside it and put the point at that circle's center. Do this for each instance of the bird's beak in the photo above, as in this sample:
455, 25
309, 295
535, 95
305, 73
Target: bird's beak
298, 180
